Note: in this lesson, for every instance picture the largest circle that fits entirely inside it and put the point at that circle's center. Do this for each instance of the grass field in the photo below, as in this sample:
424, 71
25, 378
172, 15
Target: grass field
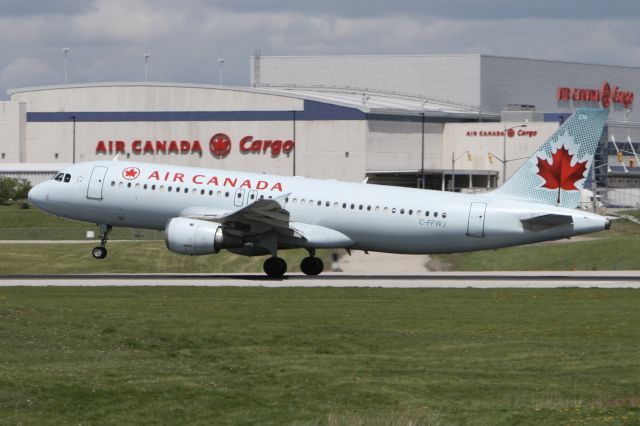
131, 257
615, 249
319, 356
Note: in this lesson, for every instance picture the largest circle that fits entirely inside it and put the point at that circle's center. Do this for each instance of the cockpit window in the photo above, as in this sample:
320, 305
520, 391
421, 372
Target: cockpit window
67, 177
59, 177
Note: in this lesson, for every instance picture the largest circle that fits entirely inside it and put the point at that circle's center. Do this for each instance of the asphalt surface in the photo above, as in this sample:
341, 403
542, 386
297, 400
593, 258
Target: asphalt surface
552, 279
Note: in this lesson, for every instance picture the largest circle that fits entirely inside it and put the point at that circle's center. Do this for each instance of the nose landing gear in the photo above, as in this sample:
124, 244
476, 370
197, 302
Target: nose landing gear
100, 252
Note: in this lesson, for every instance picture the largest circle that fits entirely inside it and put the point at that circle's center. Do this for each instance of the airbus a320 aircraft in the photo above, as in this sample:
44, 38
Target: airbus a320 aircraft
203, 211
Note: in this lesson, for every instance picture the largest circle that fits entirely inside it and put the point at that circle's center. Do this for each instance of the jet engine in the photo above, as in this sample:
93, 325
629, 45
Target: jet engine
192, 236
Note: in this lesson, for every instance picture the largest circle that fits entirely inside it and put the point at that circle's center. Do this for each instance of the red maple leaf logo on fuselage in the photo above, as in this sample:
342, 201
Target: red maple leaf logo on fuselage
560, 174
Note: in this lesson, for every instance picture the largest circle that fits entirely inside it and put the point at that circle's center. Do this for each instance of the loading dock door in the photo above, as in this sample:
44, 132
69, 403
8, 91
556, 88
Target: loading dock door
475, 227
95, 182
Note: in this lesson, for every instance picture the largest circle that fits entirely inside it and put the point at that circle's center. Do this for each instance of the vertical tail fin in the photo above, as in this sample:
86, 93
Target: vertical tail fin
556, 173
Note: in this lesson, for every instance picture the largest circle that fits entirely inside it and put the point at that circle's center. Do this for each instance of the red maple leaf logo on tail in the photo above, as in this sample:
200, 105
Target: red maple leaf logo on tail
560, 174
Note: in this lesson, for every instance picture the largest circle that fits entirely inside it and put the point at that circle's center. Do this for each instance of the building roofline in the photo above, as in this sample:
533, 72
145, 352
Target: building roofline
449, 55
271, 91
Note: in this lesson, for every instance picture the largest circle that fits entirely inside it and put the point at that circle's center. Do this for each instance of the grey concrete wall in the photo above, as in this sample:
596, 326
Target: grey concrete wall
535, 82
452, 78
13, 132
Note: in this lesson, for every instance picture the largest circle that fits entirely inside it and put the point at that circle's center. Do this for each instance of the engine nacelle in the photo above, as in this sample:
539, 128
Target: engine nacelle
192, 236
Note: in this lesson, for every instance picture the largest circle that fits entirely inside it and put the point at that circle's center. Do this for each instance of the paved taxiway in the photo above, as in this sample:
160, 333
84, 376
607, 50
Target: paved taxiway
555, 279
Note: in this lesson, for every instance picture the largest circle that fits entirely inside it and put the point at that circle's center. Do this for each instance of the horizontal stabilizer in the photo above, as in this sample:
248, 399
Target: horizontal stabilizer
545, 221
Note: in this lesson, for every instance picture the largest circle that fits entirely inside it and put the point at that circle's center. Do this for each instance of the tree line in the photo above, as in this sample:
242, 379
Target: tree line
14, 190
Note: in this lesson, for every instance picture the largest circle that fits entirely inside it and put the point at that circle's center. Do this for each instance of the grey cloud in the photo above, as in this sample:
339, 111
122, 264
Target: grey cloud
43, 7
453, 9
108, 37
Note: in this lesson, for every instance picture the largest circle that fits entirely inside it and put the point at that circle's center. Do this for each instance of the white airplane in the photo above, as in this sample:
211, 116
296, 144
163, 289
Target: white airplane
203, 211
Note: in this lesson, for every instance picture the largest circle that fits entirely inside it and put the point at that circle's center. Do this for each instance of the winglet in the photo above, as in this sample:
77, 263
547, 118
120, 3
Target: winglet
556, 173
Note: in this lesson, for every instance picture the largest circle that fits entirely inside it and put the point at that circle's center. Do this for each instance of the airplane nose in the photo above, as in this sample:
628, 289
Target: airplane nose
37, 195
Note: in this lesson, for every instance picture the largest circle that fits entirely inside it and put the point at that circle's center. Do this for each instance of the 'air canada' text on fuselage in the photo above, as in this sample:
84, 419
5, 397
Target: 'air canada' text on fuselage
216, 181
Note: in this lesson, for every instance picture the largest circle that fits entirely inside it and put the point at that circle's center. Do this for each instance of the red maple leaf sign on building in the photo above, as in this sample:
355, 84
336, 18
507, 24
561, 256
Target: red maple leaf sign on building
560, 174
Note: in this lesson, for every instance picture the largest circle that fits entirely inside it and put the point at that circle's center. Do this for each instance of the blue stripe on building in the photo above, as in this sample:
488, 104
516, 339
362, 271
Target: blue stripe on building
312, 111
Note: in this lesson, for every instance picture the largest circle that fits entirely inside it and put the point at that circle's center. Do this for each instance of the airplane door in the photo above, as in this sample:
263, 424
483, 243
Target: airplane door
475, 227
95, 182
238, 199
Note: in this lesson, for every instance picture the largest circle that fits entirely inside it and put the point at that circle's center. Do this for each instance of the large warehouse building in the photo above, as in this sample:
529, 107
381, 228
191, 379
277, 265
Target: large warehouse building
424, 121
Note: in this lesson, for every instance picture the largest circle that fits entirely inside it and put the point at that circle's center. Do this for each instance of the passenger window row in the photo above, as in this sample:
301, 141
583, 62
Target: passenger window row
169, 188
179, 190
363, 207
294, 201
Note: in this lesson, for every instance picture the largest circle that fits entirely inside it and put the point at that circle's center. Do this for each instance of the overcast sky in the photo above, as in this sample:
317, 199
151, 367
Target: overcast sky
108, 38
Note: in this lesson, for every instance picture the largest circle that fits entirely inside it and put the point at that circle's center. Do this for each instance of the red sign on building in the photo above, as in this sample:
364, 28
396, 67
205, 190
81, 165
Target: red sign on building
605, 94
220, 145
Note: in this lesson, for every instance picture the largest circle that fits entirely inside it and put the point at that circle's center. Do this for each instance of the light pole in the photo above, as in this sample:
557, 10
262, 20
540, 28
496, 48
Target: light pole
504, 150
73, 148
422, 152
146, 66
220, 63
66, 51
453, 167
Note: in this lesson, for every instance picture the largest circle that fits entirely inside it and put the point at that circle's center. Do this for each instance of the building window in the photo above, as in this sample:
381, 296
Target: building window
129, 185
113, 183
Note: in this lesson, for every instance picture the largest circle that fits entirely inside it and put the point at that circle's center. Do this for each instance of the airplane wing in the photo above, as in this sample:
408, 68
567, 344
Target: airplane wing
265, 215
260, 216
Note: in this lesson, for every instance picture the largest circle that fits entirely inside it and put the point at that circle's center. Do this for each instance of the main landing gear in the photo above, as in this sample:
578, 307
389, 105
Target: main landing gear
276, 267
100, 252
312, 265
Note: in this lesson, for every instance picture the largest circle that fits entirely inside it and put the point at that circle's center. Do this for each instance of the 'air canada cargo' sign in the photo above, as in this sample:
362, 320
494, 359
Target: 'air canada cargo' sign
219, 146
606, 95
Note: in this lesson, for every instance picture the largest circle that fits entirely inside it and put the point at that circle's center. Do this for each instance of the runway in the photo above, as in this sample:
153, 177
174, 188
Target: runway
549, 279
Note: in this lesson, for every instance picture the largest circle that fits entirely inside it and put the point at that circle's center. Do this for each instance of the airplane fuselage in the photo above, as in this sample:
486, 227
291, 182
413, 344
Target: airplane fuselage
373, 217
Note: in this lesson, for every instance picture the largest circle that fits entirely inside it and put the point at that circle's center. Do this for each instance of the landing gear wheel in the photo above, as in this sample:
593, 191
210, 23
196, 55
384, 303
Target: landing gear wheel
312, 265
99, 252
275, 267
